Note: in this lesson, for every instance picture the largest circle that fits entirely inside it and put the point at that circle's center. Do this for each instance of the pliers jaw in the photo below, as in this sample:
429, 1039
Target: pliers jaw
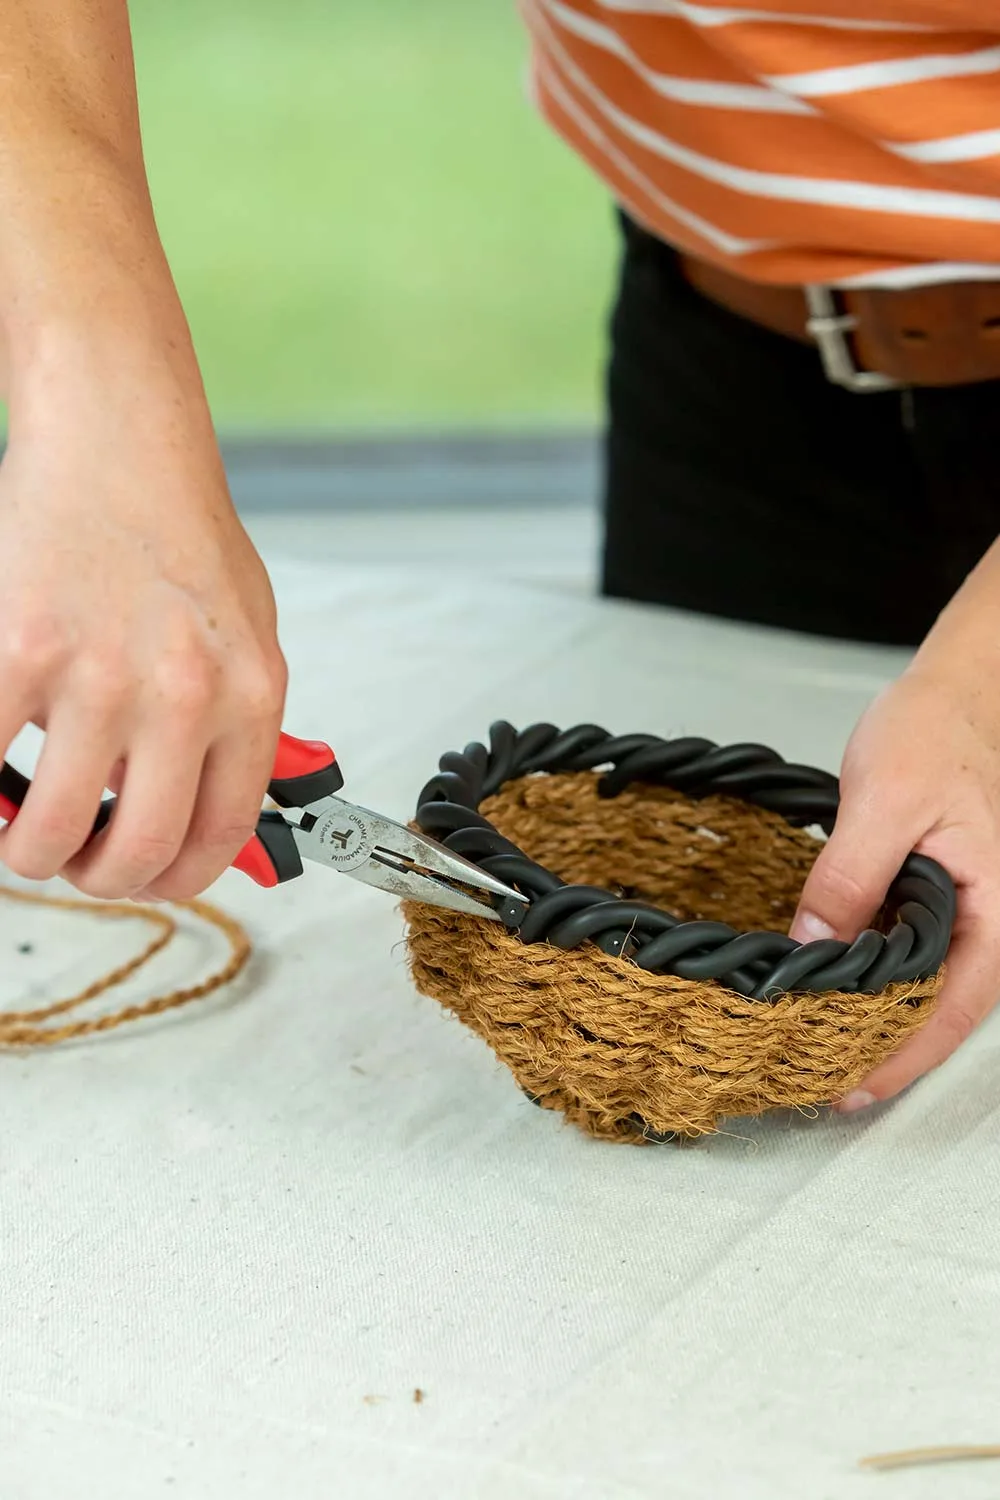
313, 823
382, 853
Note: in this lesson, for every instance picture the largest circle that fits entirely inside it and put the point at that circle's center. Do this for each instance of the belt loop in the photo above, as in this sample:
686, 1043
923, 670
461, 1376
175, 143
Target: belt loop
908, 408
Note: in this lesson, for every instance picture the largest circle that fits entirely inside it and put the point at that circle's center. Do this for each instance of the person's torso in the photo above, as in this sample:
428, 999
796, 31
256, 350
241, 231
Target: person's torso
795, 140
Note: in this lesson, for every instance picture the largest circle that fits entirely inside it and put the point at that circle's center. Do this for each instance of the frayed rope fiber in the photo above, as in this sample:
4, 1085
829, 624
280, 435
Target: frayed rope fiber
629, 1055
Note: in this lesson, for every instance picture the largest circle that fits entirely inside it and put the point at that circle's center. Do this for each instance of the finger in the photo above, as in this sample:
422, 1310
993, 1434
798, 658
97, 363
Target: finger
151, 817
32, 664
848, 883
58, 814
971, 990
236, 774
17, 709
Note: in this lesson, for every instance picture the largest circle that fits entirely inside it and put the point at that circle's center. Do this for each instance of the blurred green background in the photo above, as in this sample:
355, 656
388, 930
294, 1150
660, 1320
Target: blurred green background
369, 225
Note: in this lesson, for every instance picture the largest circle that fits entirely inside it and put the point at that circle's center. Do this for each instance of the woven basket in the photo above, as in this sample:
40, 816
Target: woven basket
630, 1055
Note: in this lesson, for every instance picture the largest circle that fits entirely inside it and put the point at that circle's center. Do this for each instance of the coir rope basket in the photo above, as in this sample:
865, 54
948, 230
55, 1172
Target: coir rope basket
650, 990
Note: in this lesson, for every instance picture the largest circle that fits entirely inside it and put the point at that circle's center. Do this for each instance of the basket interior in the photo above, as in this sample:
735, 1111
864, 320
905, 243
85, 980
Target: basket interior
716, 859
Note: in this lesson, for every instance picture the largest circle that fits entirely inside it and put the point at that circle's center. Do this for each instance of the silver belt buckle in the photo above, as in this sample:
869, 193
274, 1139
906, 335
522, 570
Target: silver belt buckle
828, 328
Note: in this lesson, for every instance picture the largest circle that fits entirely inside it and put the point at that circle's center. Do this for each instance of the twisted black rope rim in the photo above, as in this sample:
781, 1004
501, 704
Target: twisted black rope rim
759, 965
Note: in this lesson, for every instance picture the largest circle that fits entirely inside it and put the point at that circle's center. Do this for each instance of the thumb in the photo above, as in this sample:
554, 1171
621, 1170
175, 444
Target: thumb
850, 879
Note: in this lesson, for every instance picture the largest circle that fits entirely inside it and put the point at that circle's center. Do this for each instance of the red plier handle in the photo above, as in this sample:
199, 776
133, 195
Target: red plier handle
304, 771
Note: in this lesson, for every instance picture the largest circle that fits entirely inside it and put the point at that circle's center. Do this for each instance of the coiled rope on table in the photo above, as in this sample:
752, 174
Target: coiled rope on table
35, 1028
759, 965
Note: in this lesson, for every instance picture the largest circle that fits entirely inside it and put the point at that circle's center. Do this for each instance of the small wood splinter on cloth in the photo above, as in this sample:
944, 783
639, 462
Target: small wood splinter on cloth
912, 1457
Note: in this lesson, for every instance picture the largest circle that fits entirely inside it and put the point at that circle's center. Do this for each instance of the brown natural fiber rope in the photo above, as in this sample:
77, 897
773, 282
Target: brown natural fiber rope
25, 1029
617, 1048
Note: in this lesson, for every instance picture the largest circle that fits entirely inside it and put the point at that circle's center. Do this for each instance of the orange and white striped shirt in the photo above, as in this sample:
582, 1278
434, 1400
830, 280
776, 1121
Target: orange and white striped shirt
851, 142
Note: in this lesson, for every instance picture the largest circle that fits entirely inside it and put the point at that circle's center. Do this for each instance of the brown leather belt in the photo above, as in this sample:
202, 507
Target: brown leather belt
874, 339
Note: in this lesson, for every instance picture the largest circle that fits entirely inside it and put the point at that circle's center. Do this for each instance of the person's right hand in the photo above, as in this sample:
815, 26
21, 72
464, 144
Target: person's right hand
137, 624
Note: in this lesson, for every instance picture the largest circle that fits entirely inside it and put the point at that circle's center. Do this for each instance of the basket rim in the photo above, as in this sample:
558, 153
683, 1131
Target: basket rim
760, 965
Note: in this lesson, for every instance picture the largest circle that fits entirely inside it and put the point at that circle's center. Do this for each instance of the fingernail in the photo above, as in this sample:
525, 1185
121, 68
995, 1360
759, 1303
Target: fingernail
860, 1099
809, 928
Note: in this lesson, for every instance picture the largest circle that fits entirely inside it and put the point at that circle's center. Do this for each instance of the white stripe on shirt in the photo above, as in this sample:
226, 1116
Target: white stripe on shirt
729, 244
921, 273
832, 193
890, 73
746, 96
712, 15
972, 147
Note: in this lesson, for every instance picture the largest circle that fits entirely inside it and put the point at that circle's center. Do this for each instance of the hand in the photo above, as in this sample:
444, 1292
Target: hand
921, 772
137, 624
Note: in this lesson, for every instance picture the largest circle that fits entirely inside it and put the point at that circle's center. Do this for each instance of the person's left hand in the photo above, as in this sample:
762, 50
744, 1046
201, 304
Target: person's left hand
921, 772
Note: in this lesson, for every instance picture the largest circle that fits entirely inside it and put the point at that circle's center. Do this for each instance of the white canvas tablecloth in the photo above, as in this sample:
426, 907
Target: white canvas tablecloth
234, 1242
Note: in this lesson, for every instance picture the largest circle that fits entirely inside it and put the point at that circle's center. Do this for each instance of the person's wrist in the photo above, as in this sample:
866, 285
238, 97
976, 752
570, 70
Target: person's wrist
963, 645
90, 261
91, 379
957, 670
114, 338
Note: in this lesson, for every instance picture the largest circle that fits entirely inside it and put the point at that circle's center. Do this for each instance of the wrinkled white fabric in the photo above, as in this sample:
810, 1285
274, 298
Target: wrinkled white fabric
233, 1242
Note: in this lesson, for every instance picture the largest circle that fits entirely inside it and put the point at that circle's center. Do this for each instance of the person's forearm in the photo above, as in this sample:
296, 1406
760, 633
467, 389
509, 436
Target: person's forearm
137, 624
77, 230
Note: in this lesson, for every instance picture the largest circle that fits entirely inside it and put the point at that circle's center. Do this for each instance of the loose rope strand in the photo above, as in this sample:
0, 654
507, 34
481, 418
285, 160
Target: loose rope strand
913, 1457
24, 1028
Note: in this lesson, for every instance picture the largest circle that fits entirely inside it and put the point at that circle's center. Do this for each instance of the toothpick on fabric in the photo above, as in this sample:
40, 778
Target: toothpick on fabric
912, 1457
